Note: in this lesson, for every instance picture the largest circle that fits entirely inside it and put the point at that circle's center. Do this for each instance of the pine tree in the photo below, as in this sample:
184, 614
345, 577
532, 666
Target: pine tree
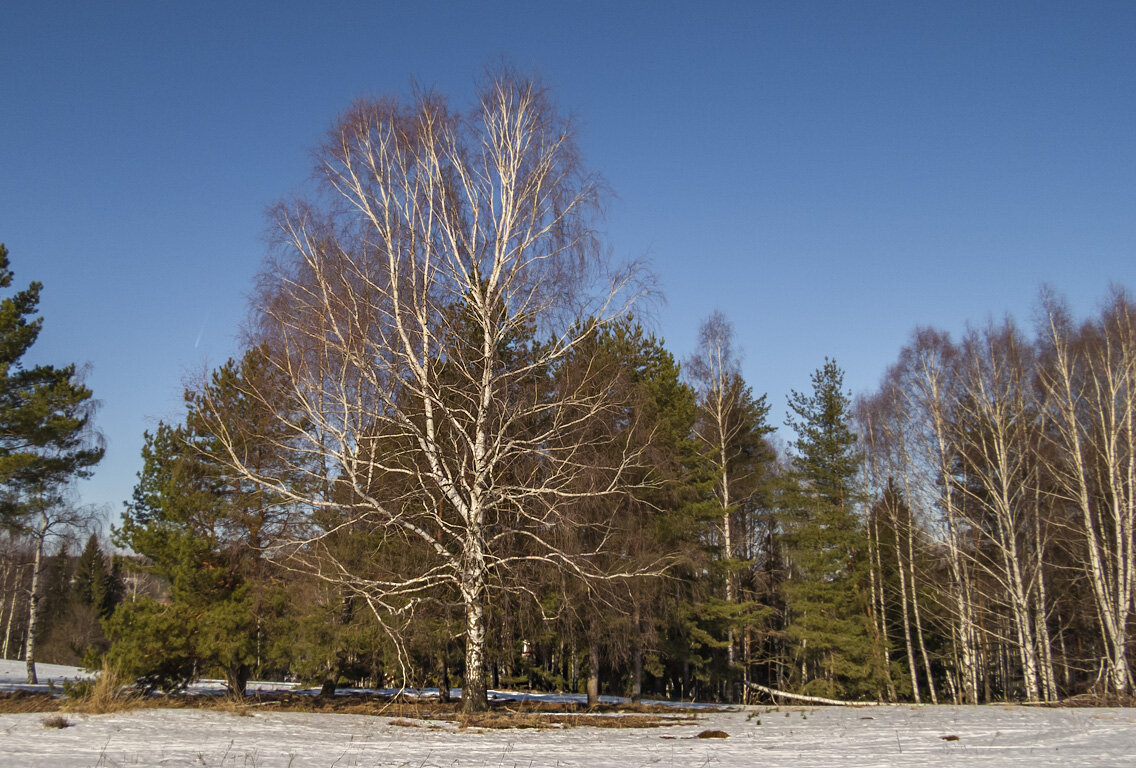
731, 429
826, 595
203, 533
95, 584
46, 437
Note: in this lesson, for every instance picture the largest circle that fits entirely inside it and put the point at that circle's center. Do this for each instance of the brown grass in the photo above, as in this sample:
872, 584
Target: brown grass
1092, 700
406, 723
108, 692
408, 712
56, 721
20, 702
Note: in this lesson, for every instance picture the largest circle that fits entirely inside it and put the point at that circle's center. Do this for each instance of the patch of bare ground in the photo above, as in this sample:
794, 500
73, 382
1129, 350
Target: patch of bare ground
412, 712
499, 720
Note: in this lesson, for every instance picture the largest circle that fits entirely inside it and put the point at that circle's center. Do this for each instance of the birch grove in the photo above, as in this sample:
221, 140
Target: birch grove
1015, 456
1089, 386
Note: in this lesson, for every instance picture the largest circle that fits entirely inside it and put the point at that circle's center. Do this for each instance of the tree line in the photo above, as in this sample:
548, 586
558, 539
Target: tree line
452, 455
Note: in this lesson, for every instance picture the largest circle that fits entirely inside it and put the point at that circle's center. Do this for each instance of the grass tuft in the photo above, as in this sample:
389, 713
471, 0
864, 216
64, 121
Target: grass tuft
108, 692
56, 721
234, 705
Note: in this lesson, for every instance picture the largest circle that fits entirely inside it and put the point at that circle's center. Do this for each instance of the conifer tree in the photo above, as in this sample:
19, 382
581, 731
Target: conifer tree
731, 429
94, 583
46, 437
203, 533
826, 595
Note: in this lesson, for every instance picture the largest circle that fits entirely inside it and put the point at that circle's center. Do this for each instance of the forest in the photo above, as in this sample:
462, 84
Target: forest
453, 454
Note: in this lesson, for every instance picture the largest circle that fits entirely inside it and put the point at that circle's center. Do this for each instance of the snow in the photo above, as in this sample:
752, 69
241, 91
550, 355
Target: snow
13, 675
904, 735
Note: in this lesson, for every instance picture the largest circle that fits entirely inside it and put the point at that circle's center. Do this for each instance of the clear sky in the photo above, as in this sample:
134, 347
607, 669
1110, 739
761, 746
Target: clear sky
828, 174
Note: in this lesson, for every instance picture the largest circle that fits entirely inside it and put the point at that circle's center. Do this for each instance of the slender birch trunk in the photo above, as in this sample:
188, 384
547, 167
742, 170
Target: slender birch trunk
11, 587
34, 599
912, 669
876, 579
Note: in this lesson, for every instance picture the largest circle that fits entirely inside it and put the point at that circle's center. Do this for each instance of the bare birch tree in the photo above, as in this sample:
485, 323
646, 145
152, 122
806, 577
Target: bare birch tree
419, 315
924, 381
715, 370
995, 434
1089, 383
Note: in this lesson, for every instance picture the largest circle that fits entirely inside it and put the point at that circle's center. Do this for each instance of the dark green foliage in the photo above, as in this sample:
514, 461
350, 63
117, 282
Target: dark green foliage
46, 439
154, 643
94, 583
202, 532
45, 415
75, 593
834, 651
826, 454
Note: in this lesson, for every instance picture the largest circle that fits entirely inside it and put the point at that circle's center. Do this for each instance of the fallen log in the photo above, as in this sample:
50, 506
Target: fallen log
810, 699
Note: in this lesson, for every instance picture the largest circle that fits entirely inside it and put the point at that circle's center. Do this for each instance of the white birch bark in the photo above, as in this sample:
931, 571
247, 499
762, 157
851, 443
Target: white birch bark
39, 538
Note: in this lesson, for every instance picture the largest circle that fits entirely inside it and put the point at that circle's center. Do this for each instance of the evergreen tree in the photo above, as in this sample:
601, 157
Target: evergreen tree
731, 429
626, 626
826, 455
55, 596
95, 584
203, 533
827, 598
46, 437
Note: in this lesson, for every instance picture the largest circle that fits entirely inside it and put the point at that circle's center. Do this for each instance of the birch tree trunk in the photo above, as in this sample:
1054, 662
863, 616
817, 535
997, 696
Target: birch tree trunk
932, 391
16, 593
38, 538
912, 668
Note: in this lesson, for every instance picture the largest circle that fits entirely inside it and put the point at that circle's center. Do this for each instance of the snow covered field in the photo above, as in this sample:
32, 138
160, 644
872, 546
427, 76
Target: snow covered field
994, 736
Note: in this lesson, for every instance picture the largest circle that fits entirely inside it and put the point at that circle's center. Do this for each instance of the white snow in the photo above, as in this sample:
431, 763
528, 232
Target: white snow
13, 675
988, 737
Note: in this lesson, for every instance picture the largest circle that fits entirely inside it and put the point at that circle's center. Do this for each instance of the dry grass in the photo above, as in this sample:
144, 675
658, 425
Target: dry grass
409, 712
108, 692
1092, 700
241, 706
20, 702
400, 723
56, 721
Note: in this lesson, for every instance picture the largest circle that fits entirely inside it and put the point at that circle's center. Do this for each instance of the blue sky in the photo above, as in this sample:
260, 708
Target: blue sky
828, 174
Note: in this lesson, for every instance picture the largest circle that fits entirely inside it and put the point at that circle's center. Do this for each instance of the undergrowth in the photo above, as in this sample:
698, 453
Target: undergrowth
109, 691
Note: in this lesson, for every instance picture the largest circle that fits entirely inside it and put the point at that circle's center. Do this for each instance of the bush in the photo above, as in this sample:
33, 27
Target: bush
153, 645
